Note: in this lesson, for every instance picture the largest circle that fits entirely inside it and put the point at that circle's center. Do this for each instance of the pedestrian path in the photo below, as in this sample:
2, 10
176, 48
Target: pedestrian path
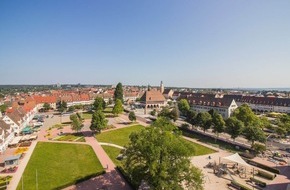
112, 180
21, 167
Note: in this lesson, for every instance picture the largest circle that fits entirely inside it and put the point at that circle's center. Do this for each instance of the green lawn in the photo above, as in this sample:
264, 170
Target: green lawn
72, 137
199, 149
120, 136
113, 152
59, 164
87, 115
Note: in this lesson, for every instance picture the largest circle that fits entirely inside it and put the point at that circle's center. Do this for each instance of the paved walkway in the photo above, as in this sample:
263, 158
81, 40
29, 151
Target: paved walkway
21, 167
111, 180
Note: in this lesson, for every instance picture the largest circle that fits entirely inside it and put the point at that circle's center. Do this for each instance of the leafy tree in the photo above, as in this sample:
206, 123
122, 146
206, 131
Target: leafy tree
153, 112
174, 114
204, 120
191, 117
245, 114
99, 121
62, 106
265, 123
161, 158
76, 122
118, 108
118, 94
254, 133
218, 124
165, 124
212, 112
99, 104
165, 112
259, 148
46, 106
183, 106
132, 116
71, 109
110, 101
234, 127
3, 108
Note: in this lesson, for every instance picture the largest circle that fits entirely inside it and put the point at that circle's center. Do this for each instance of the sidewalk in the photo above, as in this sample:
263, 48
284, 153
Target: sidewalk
112, 180
21, 167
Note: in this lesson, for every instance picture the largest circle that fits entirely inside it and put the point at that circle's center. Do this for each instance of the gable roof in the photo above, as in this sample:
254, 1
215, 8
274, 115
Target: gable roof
152, 96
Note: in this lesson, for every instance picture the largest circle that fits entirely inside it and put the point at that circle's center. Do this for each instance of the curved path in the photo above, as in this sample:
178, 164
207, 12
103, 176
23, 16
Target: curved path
110, 144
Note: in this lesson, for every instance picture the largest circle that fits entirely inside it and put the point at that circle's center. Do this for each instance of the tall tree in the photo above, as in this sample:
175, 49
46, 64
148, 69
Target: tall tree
245, 114
218, 124
99, 103
3, 108
254, 133
118, 107
165, 112
76, 122
118, 94
234, 127
46, 106
132, 116
191, 117
62, 106
183, 106
174, 114
99, 121
204, 120
159, 156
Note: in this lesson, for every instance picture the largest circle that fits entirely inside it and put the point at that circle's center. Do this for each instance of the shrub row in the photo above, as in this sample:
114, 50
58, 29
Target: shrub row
76, 181
266, 175
259, 182
241, 187
262, 166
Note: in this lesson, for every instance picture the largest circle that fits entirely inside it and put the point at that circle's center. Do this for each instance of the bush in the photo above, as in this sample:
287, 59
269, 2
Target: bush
262, 166
258, 182
259, 148
241, 187
266, 175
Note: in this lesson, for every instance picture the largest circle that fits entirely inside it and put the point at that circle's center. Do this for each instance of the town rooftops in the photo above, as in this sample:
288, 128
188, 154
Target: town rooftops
152, 96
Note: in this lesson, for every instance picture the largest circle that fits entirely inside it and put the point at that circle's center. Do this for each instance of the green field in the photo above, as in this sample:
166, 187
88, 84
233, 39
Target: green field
120, 136
71, 137
113, 152
87, 115
58, 165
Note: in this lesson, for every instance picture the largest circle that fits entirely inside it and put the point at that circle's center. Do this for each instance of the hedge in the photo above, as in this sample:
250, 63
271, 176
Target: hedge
266, 175
81, 179
259, 182
262, 166
242, 187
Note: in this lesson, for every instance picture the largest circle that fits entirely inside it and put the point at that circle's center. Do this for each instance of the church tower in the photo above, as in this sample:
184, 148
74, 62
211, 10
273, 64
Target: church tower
161, 87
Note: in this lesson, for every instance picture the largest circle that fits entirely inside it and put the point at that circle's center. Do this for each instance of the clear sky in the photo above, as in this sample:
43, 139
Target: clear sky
193, 43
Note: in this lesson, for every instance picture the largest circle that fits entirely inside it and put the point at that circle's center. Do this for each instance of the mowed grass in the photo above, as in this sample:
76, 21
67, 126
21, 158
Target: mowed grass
199, 149
119, 136
113, 152
87, 115
59, 164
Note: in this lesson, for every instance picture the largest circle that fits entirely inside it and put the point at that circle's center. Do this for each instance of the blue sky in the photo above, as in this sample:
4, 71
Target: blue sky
197, 43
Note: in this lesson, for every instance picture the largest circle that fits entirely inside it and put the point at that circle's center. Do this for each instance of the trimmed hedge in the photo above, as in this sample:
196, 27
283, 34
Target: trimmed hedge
262, 166
242, 187
266, 175
259, 182
81, 180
